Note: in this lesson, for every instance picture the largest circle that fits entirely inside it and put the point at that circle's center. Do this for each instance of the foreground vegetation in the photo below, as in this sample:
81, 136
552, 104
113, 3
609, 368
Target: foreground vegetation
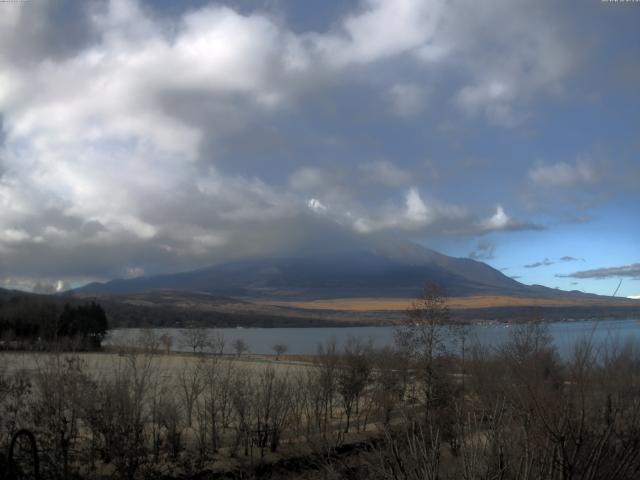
416, 411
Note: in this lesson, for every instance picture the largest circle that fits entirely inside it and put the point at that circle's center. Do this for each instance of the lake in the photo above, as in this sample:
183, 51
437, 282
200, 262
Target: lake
306, 340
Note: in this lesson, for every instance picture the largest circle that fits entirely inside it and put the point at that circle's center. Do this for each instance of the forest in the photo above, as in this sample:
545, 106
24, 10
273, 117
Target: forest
32, 322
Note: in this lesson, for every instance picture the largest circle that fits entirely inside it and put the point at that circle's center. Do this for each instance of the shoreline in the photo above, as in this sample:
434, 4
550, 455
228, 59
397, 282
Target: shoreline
493, 316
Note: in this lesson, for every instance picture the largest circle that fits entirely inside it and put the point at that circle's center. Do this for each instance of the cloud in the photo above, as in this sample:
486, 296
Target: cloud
29, 35
316, 205
494, 98
12, 236
134, 272
544, 263
632, 270
524, 62
563, 174
50, 288
116, 125
417, 211
485, 250
363, 36
415, 215
386, 173
530, 53
568, 258
500, 221
418, 214
307, 179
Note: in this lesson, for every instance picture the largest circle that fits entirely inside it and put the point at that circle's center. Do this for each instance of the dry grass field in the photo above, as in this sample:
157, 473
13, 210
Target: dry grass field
106, 363
178, 309
456, 303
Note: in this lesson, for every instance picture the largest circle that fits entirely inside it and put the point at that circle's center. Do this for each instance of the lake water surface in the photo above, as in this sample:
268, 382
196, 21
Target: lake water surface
306, 340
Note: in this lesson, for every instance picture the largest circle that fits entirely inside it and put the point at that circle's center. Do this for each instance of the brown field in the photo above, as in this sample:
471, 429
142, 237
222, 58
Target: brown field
106, 363
459, 303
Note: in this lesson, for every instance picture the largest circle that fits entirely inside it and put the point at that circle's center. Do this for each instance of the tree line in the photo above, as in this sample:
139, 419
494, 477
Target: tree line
34, 322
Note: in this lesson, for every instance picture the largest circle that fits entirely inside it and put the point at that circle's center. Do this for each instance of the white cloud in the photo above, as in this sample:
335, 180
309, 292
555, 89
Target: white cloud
414, 215
42, 287
365, 36
417, 212
498, 221
564, 174
316, 205
530, 53
11, 235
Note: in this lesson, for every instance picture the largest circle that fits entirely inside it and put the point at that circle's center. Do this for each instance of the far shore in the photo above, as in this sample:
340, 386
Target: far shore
455, 303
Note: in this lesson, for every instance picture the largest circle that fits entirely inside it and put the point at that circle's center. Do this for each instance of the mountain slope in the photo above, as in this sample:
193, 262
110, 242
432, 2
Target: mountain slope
380, 268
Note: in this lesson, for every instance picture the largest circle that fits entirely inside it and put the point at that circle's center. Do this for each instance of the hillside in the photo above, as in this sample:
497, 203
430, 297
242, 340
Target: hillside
377, 269
165, 308
371, 283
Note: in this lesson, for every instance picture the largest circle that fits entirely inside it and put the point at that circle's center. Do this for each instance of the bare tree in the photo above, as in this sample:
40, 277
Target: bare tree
411, 455
270, 408
191, 382
195, 338
217, 343
167, 342
240, 346
61, 384
215, 408
149, 341
353, 377
118, 411
170, 418
422, 336
241, 401
280, 349
327, 358
389, 382
460, 333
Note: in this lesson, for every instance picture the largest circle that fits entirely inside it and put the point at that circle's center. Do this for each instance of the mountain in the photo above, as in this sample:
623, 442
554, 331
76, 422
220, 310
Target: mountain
379, 268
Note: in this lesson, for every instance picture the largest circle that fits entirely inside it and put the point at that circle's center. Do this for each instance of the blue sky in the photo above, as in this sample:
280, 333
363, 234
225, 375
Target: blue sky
141, 137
